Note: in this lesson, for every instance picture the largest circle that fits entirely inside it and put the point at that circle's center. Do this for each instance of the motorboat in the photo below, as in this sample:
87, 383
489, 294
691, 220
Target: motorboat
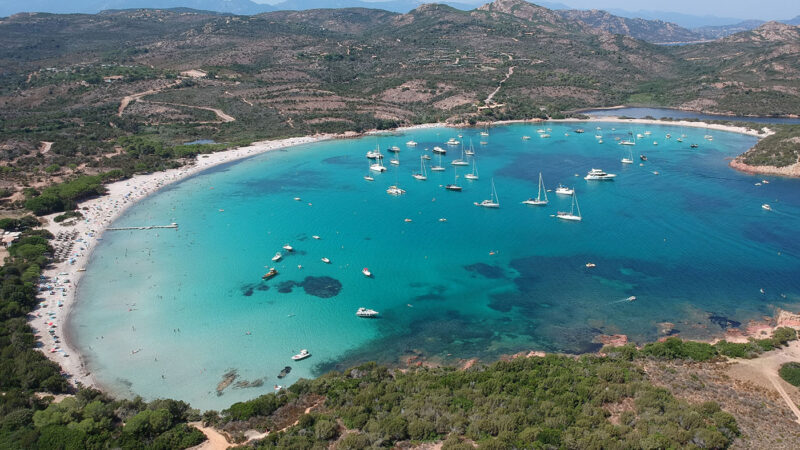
590, 265
394, 190
453, 141
316, 237
366, 313
766, 206
411, 143
326, 260
439, 150
643, 157
394, 149
277, 256
599, 175
369, 178
563, 190
366, 272
272, 272
302, 355
288, 248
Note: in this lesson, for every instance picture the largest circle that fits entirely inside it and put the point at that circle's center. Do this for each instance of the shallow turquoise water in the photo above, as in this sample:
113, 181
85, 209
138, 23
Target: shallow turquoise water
692, 244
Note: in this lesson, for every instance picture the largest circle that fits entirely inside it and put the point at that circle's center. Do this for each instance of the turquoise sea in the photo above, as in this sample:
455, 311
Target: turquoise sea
166, 313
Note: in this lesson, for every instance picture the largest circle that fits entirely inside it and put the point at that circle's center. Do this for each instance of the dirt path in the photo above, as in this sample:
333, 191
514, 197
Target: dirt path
46, 146
491, 96
220, 114
129, 98
216, 441
763, 371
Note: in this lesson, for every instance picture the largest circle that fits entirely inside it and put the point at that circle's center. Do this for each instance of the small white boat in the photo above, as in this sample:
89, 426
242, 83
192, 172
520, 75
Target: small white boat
326, 260
460, 161
375, 154
471, 150
411, 143
439, 150
590, 265
493, 201
525, 138
540, 131
428, 157
544, 136
639, 136
366, 313
302, 355
632, 298
369, 178
538, 201
655, 142
366, 272
394, 149
647, 133
394, 190
766, 206
277, 256
288, 248
377, 167
316, 237
297, 199
629, 159
627, 143
474, 174
442, 219
599, 175
453, 141
438, 167
571, 214
423, 174
563, 190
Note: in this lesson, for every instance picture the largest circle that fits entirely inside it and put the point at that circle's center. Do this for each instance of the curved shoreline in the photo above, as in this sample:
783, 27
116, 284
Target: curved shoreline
101, 212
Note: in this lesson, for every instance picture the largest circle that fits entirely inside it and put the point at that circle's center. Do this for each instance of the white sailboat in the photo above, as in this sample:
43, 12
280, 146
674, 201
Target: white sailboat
571, 214
423, 174
438, 167
375, 154
474, 174
471, 150
493, 202
368, 176
460, 161
538, 201
377, 167
396, 160
485, 131
629, 159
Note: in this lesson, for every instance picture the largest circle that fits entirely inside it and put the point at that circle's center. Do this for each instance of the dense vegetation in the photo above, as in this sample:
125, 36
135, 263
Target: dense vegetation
550, 402
791, 373
780, 149
676, 348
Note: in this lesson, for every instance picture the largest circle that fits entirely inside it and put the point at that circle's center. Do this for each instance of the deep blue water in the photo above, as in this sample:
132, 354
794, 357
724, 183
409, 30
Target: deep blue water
692, 243
660, 113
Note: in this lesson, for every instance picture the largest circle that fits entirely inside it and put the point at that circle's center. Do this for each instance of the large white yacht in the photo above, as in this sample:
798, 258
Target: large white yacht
600, 175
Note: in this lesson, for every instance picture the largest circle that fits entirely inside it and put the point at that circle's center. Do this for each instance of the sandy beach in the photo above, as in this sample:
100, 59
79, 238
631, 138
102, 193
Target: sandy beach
49, 320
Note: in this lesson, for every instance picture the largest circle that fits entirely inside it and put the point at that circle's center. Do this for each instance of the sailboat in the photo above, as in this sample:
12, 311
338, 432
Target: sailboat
375, 154
474, 174
377, 167
438, 167
395, 189
538, 201
396, 160
571, 214
628, 142
368, 176
460, 161
493, 202
485, 131
629, 159
454, 186
423, 174
471, 150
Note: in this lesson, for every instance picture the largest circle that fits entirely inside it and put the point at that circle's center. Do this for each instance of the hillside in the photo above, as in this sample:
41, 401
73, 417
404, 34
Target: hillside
63, 78
757, 68
655, 31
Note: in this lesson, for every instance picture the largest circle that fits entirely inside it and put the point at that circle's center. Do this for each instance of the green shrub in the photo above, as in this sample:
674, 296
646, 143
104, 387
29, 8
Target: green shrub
790, 372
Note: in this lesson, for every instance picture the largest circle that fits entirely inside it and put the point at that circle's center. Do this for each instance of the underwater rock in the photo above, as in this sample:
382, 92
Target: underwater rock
285, 372
723, 321
227, 379
486, 270
322, 287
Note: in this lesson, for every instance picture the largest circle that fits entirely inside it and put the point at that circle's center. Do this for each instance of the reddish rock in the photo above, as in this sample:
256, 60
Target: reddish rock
615, 340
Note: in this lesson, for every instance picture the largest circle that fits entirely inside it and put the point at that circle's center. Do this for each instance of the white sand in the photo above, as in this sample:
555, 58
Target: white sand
100, 212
